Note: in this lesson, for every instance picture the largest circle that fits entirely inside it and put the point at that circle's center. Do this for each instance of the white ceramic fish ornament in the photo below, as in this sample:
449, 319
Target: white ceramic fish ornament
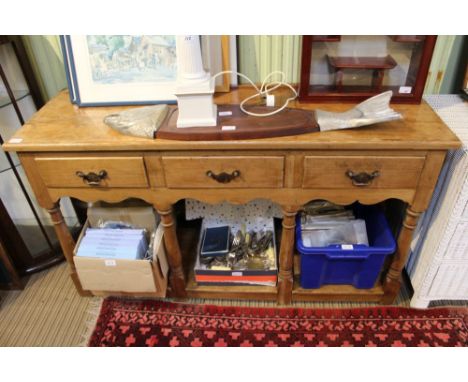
373, 110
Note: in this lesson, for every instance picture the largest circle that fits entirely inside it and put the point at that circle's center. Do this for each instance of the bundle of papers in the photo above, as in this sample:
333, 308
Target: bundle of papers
324, 224
110, 243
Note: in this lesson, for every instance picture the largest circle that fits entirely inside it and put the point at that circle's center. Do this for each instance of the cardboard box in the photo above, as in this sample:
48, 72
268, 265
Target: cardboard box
205, 276
126, 276
136, 215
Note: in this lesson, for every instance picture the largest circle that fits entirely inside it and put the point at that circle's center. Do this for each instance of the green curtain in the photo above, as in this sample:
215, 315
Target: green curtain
258, 56
440, 59
46, 60
456, 66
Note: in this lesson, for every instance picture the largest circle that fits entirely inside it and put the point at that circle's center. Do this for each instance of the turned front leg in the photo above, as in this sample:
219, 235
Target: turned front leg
67, 244
174, 256
392, 281
285, 274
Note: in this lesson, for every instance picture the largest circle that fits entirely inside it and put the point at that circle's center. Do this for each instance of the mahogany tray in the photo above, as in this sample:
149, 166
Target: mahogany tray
286, 122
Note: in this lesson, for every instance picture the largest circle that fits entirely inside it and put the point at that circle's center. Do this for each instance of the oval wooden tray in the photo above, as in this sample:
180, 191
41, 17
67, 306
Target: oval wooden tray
286, 122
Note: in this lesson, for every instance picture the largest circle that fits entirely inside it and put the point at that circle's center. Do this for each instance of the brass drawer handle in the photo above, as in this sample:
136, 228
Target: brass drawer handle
363, 178
91, 178
224, 177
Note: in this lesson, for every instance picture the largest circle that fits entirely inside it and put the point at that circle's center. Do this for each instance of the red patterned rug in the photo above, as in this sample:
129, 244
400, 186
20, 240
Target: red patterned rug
156, 323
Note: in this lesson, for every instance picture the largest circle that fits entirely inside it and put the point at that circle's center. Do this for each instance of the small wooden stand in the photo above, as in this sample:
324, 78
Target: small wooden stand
377, 64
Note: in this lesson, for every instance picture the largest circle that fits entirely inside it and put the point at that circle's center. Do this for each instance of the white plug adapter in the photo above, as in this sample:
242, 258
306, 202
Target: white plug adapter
270, 100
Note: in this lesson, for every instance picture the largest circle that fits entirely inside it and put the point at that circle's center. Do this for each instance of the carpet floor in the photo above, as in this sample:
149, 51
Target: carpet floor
49, 312
124, 322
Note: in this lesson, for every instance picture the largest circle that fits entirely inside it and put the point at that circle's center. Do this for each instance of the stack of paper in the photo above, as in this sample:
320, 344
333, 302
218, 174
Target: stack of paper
113, 243
324, 224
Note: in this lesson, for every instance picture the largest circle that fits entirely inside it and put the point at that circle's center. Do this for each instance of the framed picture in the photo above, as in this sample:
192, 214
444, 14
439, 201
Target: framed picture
132, 70
120, 70
353, 68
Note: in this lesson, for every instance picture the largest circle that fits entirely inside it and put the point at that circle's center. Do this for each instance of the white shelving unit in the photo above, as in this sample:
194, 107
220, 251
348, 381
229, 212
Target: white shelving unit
438, 264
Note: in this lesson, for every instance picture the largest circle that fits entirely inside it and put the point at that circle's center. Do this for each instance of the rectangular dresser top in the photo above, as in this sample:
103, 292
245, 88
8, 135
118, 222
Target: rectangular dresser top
63, 127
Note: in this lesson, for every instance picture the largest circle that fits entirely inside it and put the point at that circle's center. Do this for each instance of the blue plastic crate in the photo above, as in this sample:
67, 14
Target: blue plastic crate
359, 266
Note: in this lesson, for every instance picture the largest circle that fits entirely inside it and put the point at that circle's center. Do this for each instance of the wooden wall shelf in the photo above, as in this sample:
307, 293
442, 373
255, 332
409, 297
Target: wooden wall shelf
409, 39
411, 69
327, 38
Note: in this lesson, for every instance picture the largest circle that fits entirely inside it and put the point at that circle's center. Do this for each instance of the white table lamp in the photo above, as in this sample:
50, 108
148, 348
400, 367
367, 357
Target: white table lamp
195, 87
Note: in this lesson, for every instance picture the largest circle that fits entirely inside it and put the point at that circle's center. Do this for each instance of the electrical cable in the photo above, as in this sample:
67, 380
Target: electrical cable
263, 90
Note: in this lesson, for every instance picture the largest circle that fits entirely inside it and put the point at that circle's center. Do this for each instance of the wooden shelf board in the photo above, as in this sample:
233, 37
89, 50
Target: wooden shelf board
326, 38
368, 90
337, 293
403, 38
101, 293
355, 62
253, 292
332, 292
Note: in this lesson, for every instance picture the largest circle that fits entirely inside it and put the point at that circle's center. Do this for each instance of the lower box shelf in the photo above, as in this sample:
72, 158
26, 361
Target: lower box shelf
336, 293
333, 292
188, 234
100, 293
256, 292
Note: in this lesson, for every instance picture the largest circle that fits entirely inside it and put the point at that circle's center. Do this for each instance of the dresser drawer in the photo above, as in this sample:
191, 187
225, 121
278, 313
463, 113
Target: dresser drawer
92, 171
362, 171
224, 172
